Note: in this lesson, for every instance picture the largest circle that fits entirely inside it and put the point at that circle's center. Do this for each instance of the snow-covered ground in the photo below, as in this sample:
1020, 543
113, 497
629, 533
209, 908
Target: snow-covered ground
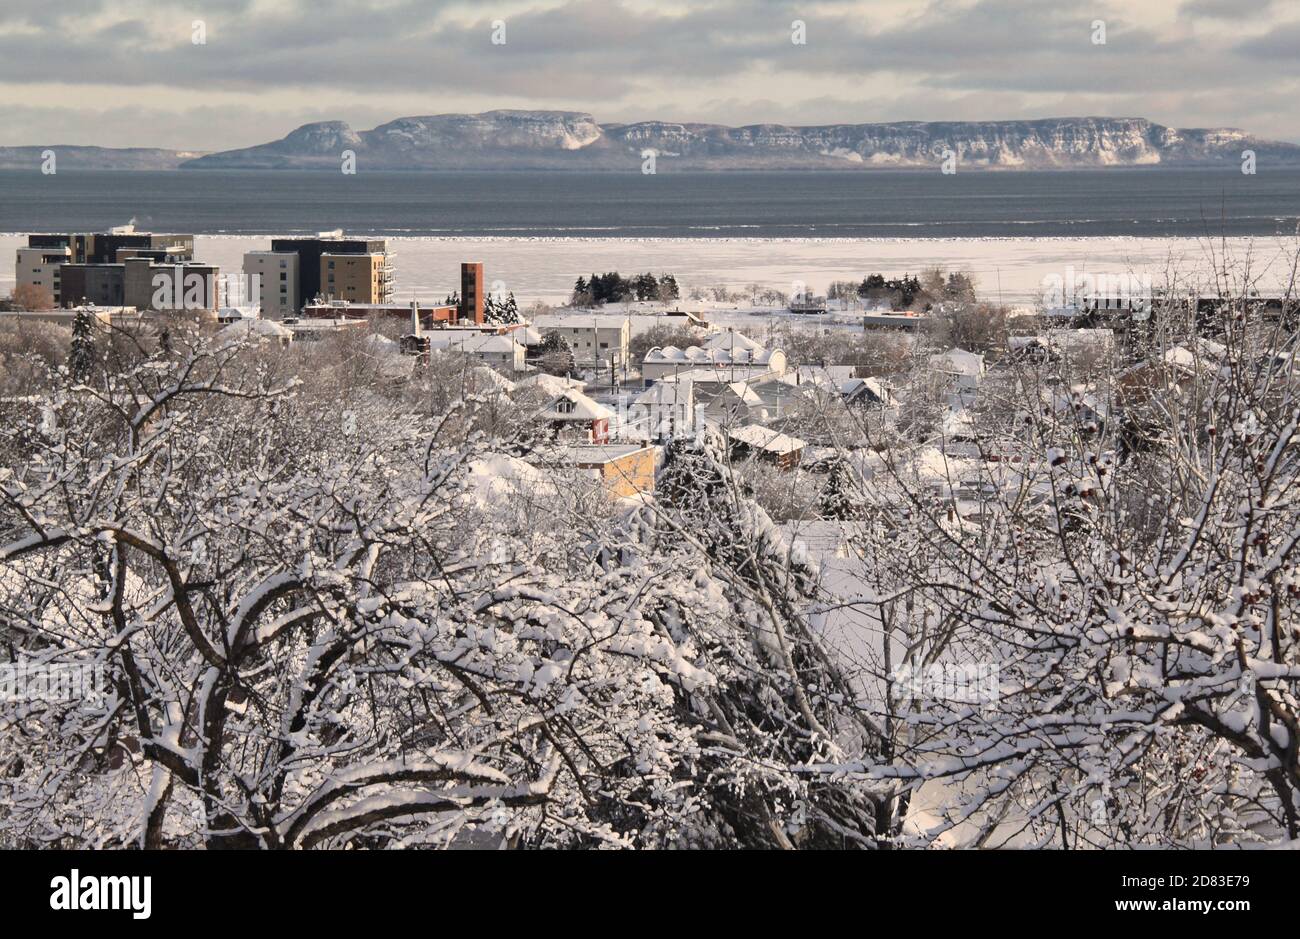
1011, 269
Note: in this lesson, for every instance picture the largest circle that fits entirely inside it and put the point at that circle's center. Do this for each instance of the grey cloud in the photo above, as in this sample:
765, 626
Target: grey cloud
952, 59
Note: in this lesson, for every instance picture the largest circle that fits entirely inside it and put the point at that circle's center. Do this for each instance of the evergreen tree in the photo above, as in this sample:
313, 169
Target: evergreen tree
839, 497
556, 357
81, 354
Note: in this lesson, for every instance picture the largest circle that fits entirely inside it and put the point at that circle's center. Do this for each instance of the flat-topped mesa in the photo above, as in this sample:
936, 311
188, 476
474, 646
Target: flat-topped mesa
521, 139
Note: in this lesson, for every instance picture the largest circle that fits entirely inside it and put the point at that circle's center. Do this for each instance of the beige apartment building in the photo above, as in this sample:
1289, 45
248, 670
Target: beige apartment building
276, 285
39, 267
356, 278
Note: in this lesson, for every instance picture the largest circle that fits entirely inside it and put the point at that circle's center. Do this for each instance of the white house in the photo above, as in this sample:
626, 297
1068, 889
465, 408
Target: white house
965, 368
502, 352
573, 412
665, 409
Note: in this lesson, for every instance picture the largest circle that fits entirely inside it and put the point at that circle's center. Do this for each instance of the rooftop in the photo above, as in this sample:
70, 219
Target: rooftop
765, 438
597, 452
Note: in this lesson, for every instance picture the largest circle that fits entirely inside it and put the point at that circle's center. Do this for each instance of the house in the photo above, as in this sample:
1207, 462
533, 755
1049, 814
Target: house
961, 372
966, 369
820, 374
735, 403
553, 385
904, 321
867, 392
815, 541
308, 330
665, 410
623, 470
598, 341
777, 448
256, 330
1177, 372
233, 314
572, 413
429, 314
505, 353
644, 322
1081, 405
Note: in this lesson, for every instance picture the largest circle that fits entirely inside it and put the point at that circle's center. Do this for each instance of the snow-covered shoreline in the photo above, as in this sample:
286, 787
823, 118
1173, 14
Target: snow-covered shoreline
1010, 270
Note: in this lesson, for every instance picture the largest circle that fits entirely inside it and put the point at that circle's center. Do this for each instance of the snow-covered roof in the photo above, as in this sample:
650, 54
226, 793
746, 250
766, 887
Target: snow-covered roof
716, 375
697, 355
765, 438
584, 408
595, 452
731, 340
474, 344
496, 476
820, 374
1198, 355
666, 393
856, 388
815, 540
492, 378
745, 393
581, 321
958, 424
554, 385
239, 312
959, 361
254, 328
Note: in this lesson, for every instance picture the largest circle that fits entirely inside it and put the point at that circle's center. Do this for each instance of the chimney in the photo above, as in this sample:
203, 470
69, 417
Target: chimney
415, 318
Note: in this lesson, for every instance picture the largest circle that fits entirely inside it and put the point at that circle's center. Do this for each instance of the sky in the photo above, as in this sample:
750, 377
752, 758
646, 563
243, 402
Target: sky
130, 73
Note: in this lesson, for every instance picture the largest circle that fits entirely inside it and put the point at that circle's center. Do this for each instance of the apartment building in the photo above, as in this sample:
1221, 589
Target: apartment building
375, 276
354, 278
40, 267
116, 245
276, 282
471, 292
141, 283
42, 261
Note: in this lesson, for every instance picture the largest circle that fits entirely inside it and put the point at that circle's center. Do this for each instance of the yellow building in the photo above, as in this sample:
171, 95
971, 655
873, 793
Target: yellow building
623, 469
356, 278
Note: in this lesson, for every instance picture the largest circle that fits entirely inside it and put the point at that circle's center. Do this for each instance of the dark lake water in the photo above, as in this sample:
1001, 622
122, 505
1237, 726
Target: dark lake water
1138, 202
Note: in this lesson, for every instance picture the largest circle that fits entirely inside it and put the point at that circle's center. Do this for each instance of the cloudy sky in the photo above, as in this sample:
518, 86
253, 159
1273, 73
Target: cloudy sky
128, 72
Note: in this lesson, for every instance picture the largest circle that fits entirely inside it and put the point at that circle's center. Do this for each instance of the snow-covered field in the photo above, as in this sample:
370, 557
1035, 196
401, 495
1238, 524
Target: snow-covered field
1010, 269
